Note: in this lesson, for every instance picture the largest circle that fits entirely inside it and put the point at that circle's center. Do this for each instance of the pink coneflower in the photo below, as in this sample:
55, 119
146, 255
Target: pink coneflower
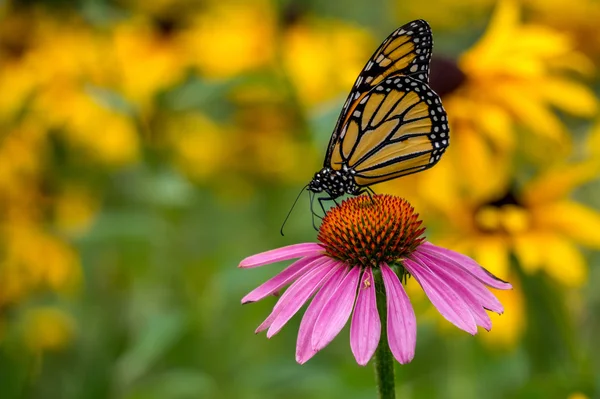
367, 247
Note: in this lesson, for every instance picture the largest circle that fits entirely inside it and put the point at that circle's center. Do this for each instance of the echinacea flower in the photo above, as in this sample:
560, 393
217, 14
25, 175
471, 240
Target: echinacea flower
367, 247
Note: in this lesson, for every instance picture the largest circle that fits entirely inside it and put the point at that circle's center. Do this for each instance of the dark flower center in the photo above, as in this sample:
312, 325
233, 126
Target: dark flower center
505, 215
366, 231
445, 76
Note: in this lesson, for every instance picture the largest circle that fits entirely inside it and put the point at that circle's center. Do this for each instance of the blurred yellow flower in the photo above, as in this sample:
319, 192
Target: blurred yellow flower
324, 57
578, 19
18, 77
230, 37
577, 395
198, 144
33, 260
443, 14
21, 161
102, 134
516, 75
148, 57
538, 223
48, 329
74, 209
509, 326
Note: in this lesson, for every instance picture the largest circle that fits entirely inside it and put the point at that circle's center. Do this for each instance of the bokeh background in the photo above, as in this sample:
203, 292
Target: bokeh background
147, 147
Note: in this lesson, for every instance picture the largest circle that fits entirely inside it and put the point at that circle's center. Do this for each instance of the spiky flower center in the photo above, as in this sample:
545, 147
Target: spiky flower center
366, 231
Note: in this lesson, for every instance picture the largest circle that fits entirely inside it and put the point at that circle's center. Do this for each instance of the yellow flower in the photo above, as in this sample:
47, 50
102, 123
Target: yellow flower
515, 76
20, 162
537, 222
74, 209
148, 57
577, 395
199, 145
231, 37
509, 326
576, 18
323, 58
48, 329
34, 260
443, 14
101, 133
18, 77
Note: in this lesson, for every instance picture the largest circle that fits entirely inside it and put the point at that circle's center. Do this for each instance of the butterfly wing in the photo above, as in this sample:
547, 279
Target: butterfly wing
398, 128
407, 52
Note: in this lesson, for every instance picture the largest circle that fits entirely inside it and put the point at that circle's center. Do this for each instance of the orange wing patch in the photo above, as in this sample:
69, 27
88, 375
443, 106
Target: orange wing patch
391, 100
372, 139
350, 139
390, 172
396, 151
421, 126
373, 103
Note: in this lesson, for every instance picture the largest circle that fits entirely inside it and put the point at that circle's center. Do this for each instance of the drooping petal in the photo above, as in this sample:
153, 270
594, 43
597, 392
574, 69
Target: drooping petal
295, 302
365, 329
469, 265
446, 301
309, 279
304, 350
289, 274
284, 253
336, 311
484, 296
461, 287
401, 320
577, 221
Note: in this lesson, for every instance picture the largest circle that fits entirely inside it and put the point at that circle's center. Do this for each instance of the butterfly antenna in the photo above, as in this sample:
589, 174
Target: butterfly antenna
291, 209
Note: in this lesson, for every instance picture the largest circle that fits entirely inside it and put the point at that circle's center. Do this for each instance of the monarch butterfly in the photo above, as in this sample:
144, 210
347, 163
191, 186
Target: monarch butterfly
392, 123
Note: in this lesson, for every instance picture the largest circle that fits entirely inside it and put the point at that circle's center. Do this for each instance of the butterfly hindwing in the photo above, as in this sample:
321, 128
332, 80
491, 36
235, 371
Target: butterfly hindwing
406, 52
398, 128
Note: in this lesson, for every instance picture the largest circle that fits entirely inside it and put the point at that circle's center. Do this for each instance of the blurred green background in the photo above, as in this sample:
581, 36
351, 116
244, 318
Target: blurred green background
147, 147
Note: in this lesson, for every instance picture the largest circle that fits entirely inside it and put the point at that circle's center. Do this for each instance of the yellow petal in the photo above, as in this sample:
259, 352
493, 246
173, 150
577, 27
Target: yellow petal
593, 141
530, 110
529, 252
577, 221
559, 183
570, 96
504, 19
484, 171
576, 62
495, 122
565, 263
508, 327
493, 254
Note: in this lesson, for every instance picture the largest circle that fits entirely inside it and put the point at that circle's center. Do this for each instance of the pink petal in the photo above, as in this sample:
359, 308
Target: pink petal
336, 311
401, 320
447, 302
284, 253
296, 300
282, 279
461, 287
469, 265
304, 350
484, 296
309, 279
365, 329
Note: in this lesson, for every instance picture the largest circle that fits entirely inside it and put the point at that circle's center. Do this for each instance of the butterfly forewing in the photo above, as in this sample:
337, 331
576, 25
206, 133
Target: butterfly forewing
406, 52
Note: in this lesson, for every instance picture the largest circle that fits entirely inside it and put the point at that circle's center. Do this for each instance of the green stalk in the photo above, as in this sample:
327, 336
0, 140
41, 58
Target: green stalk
384, 361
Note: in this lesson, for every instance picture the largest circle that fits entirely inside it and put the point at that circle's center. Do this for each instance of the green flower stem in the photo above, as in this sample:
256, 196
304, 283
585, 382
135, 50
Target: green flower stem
384, 361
